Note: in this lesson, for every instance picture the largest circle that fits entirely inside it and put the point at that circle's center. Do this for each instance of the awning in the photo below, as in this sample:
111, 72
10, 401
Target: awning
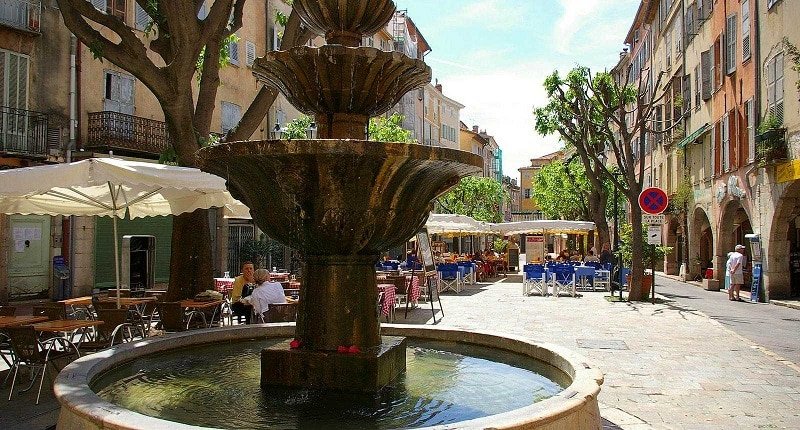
692, 137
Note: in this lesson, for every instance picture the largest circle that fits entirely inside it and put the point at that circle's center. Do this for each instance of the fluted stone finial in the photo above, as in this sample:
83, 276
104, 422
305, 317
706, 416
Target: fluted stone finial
344, 22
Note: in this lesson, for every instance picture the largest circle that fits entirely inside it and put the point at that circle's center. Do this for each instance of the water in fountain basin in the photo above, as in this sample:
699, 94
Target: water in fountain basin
218, 386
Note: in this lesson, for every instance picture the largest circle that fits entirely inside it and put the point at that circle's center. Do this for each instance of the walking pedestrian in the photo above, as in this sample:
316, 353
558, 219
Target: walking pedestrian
735, 267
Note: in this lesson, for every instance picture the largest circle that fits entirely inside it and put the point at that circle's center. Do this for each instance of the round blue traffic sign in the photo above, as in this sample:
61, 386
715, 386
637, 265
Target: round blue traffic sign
653, 201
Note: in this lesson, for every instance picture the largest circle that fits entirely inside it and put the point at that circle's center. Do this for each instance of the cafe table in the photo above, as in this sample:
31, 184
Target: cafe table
20, 320
68, 326
201, 306
387, 309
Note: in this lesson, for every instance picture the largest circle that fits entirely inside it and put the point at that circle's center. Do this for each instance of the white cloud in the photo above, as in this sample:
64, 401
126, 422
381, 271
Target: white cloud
491, 14
502, 102
576, 15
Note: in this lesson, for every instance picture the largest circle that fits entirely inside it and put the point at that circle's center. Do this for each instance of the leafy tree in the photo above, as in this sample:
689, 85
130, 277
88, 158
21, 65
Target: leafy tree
178, 47
560, 190
597, 114
298, 128
478, 197
389, 129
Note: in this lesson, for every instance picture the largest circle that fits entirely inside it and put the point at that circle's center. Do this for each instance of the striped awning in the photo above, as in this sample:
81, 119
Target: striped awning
694, 136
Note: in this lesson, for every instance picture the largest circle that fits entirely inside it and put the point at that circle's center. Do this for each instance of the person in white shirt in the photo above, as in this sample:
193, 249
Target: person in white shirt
591, 258
266, 293
735, 267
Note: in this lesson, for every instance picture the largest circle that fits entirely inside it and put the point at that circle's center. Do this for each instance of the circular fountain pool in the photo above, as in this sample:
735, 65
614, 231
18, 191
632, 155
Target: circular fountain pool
211, 379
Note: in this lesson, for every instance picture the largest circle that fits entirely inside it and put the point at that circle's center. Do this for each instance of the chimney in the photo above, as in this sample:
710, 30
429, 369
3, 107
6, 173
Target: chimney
438, 86
475, 129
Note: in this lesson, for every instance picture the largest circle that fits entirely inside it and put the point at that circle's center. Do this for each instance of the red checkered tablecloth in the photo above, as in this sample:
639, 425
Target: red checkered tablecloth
414, 296
388, 298
223, 284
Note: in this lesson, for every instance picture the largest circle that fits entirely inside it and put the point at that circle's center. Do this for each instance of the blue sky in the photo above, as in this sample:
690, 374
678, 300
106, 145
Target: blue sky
493, 55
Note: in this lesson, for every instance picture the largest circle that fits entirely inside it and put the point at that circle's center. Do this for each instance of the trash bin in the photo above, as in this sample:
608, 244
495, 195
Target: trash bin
709, 273
62, 287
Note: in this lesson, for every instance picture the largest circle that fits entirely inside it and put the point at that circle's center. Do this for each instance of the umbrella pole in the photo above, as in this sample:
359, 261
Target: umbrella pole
116, 255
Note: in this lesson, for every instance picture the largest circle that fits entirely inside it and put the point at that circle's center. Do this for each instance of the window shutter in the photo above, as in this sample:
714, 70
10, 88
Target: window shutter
231, 114
779, 87
142, 18
726, 143
250, 53
3, 58
745, 30
100, 5
233, 51
698, 85
730, 45
716, 149
22, 84
751, 130
687, 93
706, 65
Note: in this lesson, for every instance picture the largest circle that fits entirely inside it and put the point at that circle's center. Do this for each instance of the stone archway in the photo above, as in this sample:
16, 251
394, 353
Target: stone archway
701, 240
782, 247
733, 226
673, 239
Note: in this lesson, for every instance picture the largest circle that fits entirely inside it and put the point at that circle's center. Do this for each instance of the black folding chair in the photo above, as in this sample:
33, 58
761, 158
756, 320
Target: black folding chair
36, 355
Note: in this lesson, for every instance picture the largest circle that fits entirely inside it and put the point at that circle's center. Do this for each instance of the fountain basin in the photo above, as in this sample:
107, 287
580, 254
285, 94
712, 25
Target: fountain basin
575, 407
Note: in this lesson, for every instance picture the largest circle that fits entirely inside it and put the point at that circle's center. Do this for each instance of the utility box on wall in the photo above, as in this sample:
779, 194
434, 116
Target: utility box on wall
137, 268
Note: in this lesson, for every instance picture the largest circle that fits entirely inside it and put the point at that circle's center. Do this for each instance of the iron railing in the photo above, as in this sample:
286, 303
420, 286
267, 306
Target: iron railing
23, 15
771, 147
23, 132
127, 133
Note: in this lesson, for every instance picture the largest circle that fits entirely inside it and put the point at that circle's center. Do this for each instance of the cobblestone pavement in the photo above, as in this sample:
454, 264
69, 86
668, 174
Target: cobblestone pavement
666, 366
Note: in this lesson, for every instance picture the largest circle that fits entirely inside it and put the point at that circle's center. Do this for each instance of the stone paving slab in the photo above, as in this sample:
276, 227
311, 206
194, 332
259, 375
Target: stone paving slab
682, 370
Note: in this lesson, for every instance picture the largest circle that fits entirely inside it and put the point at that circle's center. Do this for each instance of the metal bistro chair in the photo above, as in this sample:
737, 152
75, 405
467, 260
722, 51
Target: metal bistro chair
279, 312
401, 290
584, 277
36, 355
175, 318
563, 280
115, 329
534, 280
449, 277
468, 276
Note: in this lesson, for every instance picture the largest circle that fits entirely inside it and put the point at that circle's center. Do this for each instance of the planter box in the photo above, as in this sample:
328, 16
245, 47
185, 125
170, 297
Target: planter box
711, 284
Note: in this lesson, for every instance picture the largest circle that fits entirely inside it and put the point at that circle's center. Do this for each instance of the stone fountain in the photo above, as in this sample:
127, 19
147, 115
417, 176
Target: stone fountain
340, 200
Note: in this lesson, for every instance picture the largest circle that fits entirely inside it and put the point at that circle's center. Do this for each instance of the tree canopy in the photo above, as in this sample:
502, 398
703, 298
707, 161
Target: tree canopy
389, 129
478, 197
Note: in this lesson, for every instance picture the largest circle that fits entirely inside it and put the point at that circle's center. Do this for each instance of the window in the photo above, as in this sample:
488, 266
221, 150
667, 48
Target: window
368, 41
142, 18
725, 144
707, 66
751, 130
250, 53
771, 3
697, 88
668, 48
276, 39
716, 70
774, 80
715, 148
14, 75
118, 92
730, 44
527, 193
231, 114
233, 50
745, 30
111, 7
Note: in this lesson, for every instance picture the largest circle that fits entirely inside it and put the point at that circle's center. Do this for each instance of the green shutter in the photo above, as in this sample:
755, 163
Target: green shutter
160, 227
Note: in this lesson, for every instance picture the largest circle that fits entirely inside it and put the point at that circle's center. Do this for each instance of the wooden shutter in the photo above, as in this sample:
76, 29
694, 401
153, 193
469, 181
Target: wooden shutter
778, 110
687, 93
233, 51
730, 45
250, 53
716, 150
745, 29
142, 18
698, 85
101, 5
231, 114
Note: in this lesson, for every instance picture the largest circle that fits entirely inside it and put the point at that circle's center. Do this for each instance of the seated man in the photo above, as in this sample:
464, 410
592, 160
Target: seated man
266, 293
591, 258
243, 286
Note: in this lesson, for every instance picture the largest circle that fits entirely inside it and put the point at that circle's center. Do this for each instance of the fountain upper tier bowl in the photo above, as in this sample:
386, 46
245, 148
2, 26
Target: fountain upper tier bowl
337, 79
345, 21
338, 197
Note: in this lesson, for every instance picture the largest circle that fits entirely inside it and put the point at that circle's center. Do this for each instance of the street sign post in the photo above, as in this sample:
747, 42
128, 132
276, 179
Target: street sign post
654, 202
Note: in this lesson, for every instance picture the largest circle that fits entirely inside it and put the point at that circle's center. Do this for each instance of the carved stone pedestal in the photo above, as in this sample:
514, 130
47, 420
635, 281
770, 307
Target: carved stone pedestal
365, 372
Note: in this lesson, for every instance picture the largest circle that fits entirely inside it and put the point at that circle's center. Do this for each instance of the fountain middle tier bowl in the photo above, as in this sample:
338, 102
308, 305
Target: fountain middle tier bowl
338, 197
337, 79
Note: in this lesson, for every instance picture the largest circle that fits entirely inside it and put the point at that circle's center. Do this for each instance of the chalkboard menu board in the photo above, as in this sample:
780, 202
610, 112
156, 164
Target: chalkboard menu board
756, 284
424, 251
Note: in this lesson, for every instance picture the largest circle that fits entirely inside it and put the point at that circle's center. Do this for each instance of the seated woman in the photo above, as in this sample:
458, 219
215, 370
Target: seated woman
266, 293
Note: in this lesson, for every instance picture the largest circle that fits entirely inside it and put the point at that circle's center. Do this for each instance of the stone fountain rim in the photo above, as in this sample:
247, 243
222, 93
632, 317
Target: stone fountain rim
82, 408
329, 147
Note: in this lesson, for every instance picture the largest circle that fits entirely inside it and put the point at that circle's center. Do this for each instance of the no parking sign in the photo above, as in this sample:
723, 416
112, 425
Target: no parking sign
653, 201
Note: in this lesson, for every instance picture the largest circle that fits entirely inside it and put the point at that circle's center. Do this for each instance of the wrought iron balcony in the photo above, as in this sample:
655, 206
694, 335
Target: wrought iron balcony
127, 134
23, 132
25, 15
771, 146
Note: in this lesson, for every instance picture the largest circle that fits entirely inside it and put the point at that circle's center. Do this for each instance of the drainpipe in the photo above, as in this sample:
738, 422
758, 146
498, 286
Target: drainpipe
73, 95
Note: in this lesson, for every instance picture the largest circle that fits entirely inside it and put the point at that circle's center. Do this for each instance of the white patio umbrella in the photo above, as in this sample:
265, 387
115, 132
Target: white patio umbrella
110, 187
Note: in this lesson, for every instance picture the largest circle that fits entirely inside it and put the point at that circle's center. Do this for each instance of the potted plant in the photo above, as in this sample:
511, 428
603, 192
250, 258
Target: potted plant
771, 140
651, 255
